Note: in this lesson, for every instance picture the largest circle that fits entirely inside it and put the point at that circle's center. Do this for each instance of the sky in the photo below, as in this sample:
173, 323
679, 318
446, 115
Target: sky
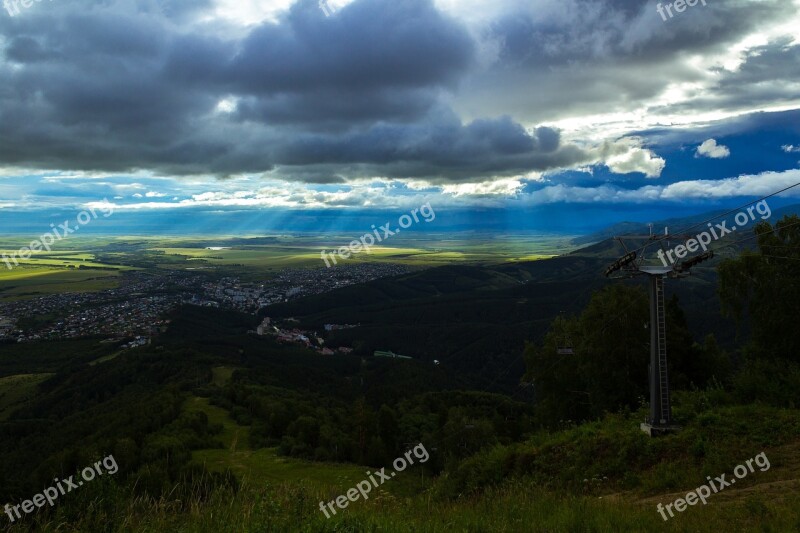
554, 115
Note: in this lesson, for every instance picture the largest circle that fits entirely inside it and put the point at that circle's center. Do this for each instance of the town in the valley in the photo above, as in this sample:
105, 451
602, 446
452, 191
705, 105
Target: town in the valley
138, 309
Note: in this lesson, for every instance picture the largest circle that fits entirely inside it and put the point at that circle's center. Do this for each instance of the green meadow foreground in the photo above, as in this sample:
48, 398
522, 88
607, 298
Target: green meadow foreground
601, 477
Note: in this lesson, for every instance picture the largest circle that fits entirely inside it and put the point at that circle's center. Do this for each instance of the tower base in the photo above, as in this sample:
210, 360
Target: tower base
655, 431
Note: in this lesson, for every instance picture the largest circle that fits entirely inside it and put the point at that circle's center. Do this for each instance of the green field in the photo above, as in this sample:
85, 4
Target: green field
56, 273
271, 257
39, 281
305, 251
95, 264
259, 258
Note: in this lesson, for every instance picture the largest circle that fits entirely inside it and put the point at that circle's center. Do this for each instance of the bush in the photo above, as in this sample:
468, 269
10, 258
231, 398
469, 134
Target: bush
775, 382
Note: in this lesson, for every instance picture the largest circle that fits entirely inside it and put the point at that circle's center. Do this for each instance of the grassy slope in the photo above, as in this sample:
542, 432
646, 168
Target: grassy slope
15, 390
264, 466
536, 485
549, 496
552, 494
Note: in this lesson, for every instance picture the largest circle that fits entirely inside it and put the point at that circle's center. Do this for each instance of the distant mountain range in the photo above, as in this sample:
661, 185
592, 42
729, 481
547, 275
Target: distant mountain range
676, 225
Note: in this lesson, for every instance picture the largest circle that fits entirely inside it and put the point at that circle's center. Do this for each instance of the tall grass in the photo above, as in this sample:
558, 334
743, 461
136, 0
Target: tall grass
514, 507
598, 477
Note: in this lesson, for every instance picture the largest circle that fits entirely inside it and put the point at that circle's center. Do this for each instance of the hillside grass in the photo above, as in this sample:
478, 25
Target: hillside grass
612, 456
17, 389
264, 466
602, 476
514, 507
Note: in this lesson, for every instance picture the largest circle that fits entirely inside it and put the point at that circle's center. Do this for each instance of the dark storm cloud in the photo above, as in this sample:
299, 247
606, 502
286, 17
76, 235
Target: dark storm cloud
375, 60
121, 85
625, 30
439, 149
557, 59
95, 90
368, 45
337, 109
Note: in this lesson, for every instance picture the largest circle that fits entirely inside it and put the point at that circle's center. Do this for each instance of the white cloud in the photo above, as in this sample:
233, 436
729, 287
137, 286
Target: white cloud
502, 187
711, 149
749, 185
627, 155
104, 204
227, 105
788, 148
746, 185
153, 194
133, 185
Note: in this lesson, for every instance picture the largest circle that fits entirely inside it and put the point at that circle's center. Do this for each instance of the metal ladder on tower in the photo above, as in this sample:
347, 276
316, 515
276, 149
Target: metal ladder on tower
663, 380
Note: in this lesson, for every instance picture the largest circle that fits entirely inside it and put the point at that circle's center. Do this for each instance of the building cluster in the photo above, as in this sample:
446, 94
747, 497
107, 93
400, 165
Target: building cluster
138, 306
334, 327
7, 325
234, 294
292, 283
303, 282
134, 309
135, 343
308, 339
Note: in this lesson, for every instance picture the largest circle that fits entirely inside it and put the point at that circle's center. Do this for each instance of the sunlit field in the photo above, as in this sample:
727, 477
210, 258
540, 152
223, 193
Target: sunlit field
96, 263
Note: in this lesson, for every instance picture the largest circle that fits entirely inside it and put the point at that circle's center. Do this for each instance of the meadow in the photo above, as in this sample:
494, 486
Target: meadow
89, 264
279, 494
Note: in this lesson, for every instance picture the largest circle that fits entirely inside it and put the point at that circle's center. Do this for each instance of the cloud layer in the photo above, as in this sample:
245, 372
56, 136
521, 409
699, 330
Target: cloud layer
473, 99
